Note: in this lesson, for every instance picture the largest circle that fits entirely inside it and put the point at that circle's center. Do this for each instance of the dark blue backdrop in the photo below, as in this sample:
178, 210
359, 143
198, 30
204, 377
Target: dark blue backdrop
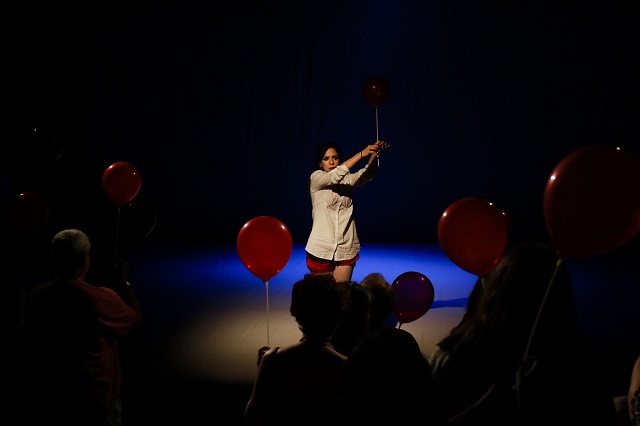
221, 106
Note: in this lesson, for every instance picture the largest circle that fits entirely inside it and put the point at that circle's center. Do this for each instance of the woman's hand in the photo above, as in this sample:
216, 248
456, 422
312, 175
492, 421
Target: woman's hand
381, 145
375, 148
261, 353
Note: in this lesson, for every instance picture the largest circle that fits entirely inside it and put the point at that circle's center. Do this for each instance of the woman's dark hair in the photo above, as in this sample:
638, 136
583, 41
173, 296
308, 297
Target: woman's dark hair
322, 149
496, 334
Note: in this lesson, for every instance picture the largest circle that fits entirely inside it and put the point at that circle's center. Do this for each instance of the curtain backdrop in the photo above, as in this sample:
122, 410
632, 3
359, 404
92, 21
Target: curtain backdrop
221, 107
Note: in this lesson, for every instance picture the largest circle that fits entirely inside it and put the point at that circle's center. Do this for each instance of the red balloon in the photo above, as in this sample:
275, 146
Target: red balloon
414, 296
29, 212
376, 90
473, 233
592, 201
264, 244
121, 182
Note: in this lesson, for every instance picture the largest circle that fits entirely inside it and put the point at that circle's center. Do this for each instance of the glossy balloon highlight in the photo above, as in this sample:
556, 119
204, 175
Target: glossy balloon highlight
376, 90
473, 233
121, 182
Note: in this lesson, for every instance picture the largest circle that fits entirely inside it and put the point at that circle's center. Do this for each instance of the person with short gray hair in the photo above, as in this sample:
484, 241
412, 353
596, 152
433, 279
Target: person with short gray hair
71, 333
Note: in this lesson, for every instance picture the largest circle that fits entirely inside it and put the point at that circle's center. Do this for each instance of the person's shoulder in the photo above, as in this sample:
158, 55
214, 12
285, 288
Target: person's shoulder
269, 360
85, 285
402, 332
400, 335
98, 291
319, 354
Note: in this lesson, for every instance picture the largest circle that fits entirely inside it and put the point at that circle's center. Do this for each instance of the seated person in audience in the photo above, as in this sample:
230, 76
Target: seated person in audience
355, 322
634, 394
512, 362
387, 382
382, 304
297, 384
72, 330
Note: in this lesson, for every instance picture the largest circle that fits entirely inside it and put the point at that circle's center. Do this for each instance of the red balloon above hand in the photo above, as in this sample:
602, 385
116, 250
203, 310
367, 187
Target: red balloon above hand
121, 183
375, 90
29, 212
414, 296
264, 244
473, 233
592, 201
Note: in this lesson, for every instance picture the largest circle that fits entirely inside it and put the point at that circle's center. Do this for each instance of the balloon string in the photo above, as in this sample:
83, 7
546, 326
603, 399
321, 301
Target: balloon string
115, 254
266, 286
377, 137
19, 263
535, 323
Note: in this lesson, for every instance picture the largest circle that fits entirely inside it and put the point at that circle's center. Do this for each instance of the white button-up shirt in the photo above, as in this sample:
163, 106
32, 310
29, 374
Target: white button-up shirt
333, 234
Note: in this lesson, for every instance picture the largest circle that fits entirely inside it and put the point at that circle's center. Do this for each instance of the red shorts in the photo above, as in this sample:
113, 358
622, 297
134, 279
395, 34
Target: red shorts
323, 266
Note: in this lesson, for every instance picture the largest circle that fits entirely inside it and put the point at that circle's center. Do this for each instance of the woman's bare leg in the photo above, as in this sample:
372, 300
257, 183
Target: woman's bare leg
343, 273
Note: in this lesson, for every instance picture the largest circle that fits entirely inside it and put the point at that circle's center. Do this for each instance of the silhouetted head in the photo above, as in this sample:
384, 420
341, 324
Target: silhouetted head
355, 323
70, 250
382, 297
317, 304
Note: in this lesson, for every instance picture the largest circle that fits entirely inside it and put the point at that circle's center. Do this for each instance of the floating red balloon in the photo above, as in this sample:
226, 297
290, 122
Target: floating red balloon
264, 244
121, 182
376, 90
414, 296
592, 201
29, 212
473, 233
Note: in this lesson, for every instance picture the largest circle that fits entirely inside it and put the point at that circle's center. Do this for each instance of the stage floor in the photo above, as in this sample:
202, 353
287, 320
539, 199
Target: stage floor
206, 315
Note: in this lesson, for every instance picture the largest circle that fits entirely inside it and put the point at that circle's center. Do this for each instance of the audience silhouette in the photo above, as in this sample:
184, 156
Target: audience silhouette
386, 379
382, 304
492, 369
355, 322
297, 384
633, 397
628, 404
71, 371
